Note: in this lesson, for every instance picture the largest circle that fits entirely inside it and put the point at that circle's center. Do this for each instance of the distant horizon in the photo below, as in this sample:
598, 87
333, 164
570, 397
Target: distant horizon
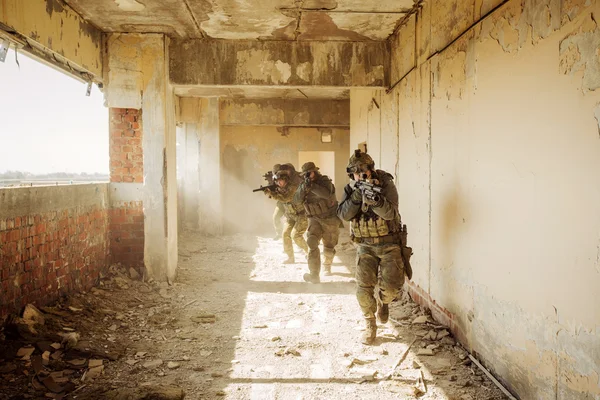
49, 125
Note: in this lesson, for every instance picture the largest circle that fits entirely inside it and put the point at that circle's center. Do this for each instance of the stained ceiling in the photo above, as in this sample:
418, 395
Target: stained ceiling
242, 92
354, 20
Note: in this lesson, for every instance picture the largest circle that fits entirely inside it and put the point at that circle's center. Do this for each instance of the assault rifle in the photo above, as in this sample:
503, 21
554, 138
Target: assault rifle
265, 188
369, 189
270, 178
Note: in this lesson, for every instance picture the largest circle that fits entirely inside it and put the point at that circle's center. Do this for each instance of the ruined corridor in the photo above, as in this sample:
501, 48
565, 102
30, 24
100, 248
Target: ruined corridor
166, 281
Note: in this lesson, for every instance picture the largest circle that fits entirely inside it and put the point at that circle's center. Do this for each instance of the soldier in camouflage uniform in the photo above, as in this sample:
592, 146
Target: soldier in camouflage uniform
277, 215
317, 193
288, 180
376, 227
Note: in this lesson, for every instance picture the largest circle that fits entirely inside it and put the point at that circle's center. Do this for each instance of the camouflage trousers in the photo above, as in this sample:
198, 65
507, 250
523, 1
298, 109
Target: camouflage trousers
294, 227
379, 276
277, 215
328, 230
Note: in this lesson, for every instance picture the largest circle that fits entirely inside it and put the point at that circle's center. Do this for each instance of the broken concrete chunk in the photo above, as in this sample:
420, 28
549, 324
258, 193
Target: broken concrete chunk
94, 372
134, 274
25, 352
173, 365
420, 319
275, 339
425, 352
152, 364
260, 326
95, 363
292, 352
132, 362
366, 373
55, 346
32, 315
442, 334
364, 360
80, 362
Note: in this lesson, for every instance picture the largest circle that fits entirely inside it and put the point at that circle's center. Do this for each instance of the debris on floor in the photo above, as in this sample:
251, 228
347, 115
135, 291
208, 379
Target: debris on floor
233, 330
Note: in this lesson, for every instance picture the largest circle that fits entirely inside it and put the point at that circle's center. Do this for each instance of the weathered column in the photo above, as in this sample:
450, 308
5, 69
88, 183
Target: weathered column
202, 176
136, 77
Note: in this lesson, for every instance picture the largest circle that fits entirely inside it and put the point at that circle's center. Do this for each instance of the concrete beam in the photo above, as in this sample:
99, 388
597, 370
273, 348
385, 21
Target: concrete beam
280, 112
51, 30
279, 63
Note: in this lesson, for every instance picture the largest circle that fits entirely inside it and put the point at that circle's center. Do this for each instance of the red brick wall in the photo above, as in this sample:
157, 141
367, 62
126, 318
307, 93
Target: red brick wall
126, 155
46, 255
127, 235
439, 313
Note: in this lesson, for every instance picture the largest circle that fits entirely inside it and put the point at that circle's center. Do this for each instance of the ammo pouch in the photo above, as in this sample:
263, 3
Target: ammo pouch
320, 208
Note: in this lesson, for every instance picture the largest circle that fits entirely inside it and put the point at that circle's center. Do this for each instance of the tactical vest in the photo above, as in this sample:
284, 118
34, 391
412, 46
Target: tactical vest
366, 226
322, 208
370, 225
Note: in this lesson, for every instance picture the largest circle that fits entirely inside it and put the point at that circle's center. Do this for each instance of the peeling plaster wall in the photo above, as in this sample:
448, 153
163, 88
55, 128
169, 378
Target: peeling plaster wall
58, 29
247, 152
286, 112
208, 62
498, 171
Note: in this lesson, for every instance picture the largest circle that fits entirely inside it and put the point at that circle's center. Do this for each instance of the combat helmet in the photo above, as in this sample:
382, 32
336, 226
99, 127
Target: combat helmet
359, 162
309, 167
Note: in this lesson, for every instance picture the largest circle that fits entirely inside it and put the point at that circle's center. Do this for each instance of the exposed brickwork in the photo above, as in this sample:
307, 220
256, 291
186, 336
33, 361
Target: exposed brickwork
440, 314
126, 155
47, 255
127, 235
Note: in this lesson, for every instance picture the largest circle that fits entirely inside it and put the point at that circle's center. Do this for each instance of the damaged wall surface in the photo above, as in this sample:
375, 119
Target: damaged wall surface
250, 151
53, 241
52, 30
496, 149
226, 62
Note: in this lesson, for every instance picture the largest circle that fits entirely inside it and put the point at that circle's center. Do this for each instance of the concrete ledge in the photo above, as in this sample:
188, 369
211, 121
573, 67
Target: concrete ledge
120, 193
17, 202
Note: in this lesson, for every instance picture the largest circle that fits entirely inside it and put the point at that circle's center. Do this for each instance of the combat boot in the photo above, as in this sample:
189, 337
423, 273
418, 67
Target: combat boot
383, 313
289, 260
326, 270
310, 278
370, 332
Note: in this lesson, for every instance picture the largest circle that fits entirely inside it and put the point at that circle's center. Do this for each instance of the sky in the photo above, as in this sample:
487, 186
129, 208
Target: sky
47, 124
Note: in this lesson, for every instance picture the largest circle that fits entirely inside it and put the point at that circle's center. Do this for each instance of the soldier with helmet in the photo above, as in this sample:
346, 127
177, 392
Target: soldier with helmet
376, 228
287, 180
317, 193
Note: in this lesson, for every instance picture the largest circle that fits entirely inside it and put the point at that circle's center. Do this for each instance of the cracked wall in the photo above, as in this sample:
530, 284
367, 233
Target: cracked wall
52, 30
497, 164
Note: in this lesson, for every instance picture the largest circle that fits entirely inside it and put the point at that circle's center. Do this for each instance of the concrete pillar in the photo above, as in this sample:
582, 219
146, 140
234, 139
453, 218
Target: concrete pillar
211, 213
202, 176
136, 77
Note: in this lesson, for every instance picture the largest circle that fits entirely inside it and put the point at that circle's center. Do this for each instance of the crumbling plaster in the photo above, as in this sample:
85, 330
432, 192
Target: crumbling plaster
498, 153
53, 31
318, 20
330, 64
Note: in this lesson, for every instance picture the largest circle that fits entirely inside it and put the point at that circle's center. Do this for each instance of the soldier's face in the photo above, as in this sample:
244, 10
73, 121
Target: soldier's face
360, 176
312, 175
281, 182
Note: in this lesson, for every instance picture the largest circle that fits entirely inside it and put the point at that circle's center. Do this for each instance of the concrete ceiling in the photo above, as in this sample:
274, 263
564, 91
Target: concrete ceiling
355, 20
241, 92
